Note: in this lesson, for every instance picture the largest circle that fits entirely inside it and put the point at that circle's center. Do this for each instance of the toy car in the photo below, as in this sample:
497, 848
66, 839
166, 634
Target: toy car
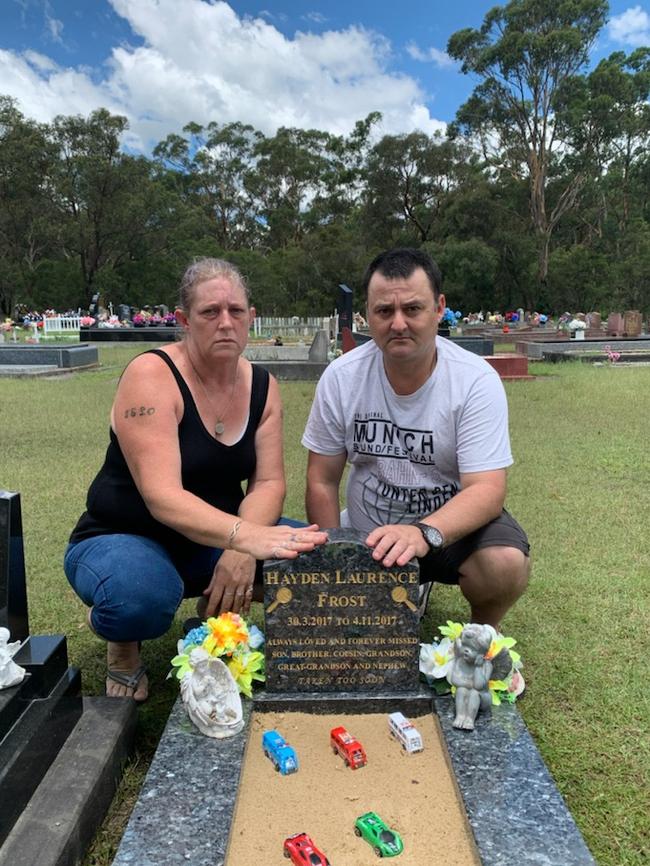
405, 732
300, 849
385, 842
279, 752
350, 749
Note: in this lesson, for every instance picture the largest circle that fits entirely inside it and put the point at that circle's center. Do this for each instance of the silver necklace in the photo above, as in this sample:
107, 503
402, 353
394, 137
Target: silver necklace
220, 425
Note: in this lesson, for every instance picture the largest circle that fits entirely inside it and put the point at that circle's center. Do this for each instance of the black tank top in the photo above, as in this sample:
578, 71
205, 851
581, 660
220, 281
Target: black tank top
211, 470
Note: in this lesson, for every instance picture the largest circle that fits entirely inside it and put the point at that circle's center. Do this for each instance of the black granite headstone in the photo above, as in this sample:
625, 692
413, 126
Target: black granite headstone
124, 312
338, 621
13, 592
344, 307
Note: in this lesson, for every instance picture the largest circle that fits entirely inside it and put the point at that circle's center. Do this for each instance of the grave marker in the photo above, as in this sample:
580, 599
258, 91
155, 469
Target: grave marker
632, 323
13, 593
338, 621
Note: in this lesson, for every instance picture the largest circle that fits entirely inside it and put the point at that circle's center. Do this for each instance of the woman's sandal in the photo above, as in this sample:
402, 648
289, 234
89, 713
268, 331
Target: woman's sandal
129, 681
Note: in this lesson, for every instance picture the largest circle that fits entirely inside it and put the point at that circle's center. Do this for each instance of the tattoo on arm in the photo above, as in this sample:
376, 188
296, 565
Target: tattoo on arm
137, 411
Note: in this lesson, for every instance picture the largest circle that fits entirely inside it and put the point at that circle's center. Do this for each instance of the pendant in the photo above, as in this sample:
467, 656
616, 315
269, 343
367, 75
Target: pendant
219, 427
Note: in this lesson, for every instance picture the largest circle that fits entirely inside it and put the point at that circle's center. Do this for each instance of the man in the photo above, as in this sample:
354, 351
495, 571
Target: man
424, 425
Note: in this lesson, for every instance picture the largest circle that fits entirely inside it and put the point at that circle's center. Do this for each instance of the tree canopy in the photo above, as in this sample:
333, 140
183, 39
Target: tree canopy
538, 196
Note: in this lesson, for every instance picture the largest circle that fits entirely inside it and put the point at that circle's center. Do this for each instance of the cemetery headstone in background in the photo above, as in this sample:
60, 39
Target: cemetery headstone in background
344, 307
632, 323
615, 326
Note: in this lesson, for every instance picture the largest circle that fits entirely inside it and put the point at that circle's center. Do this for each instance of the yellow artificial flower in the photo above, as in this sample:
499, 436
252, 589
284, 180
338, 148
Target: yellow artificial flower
452, 630
245, 668
225, 632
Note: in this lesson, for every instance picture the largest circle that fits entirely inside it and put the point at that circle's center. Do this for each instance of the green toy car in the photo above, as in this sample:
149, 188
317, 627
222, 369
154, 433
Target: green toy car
385, 842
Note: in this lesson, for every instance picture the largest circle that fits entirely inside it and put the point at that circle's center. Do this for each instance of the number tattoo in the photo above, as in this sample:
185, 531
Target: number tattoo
134, 412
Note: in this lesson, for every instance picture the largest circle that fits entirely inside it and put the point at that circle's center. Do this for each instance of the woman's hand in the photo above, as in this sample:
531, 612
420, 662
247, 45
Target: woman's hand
277, 542
231, 587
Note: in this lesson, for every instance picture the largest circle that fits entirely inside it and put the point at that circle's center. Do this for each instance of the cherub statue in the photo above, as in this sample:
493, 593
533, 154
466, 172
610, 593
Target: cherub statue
211, 696
471, 673
10, 673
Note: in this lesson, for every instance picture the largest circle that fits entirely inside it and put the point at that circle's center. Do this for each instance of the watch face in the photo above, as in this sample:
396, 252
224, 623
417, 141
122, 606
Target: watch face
431, 535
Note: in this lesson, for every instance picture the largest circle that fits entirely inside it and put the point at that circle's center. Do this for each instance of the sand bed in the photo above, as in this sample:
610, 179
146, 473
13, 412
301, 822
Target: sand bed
415, 794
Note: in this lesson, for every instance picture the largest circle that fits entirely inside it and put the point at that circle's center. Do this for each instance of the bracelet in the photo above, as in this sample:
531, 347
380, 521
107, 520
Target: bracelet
233, 533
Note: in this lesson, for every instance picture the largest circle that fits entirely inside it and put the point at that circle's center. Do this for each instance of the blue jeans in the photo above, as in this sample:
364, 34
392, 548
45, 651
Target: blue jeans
133, 585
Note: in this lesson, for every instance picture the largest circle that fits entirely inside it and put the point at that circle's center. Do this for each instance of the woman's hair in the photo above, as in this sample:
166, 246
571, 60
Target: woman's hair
207, 269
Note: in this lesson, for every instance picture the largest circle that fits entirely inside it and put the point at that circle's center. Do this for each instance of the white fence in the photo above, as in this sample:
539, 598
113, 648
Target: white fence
271, 326
59, 324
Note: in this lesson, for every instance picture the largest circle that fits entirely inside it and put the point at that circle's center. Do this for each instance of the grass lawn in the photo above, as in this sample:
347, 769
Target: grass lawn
580, 487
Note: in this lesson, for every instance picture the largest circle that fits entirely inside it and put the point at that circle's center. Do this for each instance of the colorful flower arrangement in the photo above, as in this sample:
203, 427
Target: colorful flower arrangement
7, 325
231, 639
436, 661
138, 319
87, 321
450, 318
169, 319
577, 325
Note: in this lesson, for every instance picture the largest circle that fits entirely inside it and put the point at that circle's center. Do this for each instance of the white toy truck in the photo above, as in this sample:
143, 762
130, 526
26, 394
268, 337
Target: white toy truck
405, 732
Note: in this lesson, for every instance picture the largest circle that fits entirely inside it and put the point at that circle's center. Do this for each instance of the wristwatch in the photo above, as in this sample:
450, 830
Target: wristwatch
432, 536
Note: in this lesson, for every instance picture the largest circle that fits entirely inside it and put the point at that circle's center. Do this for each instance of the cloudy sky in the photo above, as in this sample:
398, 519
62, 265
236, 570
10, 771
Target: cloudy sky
163, 63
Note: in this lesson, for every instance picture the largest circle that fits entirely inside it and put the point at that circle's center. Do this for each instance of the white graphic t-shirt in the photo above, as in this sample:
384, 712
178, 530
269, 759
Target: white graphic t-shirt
407, 452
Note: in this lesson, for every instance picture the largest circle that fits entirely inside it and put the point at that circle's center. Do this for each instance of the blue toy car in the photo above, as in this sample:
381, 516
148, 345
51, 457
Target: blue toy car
279, 752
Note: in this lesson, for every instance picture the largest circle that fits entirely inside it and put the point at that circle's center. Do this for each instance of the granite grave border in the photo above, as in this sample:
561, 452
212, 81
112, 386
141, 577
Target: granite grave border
515, 810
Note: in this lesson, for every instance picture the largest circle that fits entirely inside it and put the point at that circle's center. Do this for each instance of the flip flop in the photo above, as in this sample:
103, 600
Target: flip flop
130, 681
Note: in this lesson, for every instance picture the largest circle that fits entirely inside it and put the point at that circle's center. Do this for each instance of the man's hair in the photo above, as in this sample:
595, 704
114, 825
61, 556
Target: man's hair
401, 262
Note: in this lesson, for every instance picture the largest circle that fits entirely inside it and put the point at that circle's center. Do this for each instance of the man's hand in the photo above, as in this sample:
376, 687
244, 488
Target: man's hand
231, 587
396, 544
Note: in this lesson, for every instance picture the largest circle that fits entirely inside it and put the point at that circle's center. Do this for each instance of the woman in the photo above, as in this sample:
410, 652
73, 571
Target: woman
166, 515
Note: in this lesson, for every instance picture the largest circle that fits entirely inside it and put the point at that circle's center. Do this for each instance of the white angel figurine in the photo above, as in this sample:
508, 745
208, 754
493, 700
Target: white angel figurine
211, 696
10, 673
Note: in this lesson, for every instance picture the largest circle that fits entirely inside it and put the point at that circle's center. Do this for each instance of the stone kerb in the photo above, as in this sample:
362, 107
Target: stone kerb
67, 357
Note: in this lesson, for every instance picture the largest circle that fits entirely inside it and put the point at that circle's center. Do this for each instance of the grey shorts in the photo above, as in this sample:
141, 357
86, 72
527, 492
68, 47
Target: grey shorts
442, 567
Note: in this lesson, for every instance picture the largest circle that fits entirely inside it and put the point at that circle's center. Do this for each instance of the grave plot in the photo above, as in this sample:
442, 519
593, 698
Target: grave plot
342, 649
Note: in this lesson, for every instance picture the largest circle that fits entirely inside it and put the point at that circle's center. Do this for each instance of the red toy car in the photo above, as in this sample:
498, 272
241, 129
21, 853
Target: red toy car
302, 851
345, 745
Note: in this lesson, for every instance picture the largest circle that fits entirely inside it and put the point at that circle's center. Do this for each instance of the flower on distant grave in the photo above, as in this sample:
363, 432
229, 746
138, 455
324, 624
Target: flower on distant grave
169, 319
7, 325
577, 325
448, 319
138, 319
612, 356
230, 638
436, 661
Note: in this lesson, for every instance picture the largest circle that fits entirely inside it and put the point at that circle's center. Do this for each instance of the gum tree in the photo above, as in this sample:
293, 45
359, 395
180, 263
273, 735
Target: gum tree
522, 55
